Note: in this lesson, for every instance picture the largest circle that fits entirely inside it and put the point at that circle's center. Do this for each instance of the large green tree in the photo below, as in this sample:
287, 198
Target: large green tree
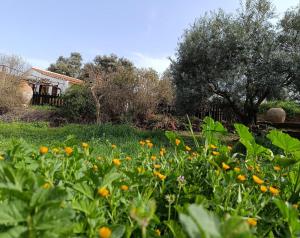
241, 58
70, 66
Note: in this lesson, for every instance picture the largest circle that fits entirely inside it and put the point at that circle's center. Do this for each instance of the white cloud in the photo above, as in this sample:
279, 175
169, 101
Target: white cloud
160, 64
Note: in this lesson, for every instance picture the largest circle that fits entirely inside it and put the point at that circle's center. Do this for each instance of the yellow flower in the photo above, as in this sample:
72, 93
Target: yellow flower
161, 176
252, 221
263, 188
177, 142
140, 170
150, 145
295, 206
124, 187
241, 177
43, 150
187, 148
237, 169
229, 147
277, 168
68, 151
148, 141
113, 146
128, 158
46, 185
157, 166
213, 146
84, 145
55, 150
1, 157
216, 153
95, 168
194, 154
153, 157
103, 192
225, 166
257, 180
104, 232
142, 143
157, 231
116, 162
274, 191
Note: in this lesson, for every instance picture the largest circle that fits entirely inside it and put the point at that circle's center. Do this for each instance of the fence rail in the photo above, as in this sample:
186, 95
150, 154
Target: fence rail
217, 112
39, 99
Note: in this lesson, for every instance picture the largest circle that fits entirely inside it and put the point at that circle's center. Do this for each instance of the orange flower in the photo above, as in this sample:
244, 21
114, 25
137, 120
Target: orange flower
116, 162
252, 221
95, 168
68, 150
216, 153
177, 142
104, 232
46, 185
187, 148
213, 146
150, 145
274, 191
142, 143
263, 188
277, 168
159, 175
113, 146
241, 177
43, 150
237, 169
257, 180
225, 166
103, 192
84, 145
148, 141
124, 187
128, 158
153, 157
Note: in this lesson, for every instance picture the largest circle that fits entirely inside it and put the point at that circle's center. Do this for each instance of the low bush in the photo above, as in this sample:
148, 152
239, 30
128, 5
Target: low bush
291, 108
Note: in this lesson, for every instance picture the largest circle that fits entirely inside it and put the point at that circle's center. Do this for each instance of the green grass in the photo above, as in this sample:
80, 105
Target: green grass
37, 134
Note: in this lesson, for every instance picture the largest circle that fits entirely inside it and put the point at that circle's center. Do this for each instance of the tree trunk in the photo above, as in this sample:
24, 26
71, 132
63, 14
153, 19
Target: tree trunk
98, 106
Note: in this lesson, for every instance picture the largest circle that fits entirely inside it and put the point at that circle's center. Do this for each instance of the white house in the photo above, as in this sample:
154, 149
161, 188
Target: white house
49, 83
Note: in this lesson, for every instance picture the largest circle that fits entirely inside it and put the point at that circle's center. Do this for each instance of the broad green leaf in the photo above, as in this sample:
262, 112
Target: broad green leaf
284, 141
235, 227
190, 226
14, 232
12, 213
175, 228
118, 231
85, 189
109, 178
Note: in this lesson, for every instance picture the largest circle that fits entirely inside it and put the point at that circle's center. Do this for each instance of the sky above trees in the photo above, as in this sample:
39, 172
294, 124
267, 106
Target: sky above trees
146, 32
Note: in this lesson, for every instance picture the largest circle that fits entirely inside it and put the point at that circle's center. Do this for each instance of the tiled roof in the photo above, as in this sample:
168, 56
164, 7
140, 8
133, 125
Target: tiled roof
58, 76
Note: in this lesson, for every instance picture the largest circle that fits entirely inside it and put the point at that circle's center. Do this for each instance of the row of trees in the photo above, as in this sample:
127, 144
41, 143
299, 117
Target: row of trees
237, 59
116, 89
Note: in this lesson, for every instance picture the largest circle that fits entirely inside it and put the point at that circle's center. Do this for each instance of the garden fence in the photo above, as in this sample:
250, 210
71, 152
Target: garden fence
39, 99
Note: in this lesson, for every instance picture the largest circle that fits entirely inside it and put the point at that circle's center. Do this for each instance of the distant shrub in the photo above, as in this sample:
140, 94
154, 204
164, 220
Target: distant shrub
291, 107
78, 105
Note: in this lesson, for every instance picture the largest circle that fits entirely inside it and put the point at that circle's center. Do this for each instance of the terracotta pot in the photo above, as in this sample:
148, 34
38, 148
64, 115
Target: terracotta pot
25, 92
276, 115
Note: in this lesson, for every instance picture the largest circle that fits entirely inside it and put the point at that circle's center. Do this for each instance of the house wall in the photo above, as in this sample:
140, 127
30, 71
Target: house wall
62, 84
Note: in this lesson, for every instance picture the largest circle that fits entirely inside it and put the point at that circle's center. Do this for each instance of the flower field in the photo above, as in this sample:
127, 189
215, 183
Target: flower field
201, 189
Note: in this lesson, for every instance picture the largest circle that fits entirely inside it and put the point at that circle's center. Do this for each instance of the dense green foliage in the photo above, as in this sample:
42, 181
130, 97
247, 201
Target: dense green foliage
71, 189
291, 108
240, 58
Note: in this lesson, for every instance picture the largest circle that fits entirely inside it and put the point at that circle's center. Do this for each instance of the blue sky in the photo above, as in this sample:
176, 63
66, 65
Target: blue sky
144, 31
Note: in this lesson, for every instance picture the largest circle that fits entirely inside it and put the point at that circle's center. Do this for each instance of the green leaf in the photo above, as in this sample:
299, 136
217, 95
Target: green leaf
190, 226
109, 178
14, 232
84, 189
175, 228
284, 141
118, 231
235, 227
12, 213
